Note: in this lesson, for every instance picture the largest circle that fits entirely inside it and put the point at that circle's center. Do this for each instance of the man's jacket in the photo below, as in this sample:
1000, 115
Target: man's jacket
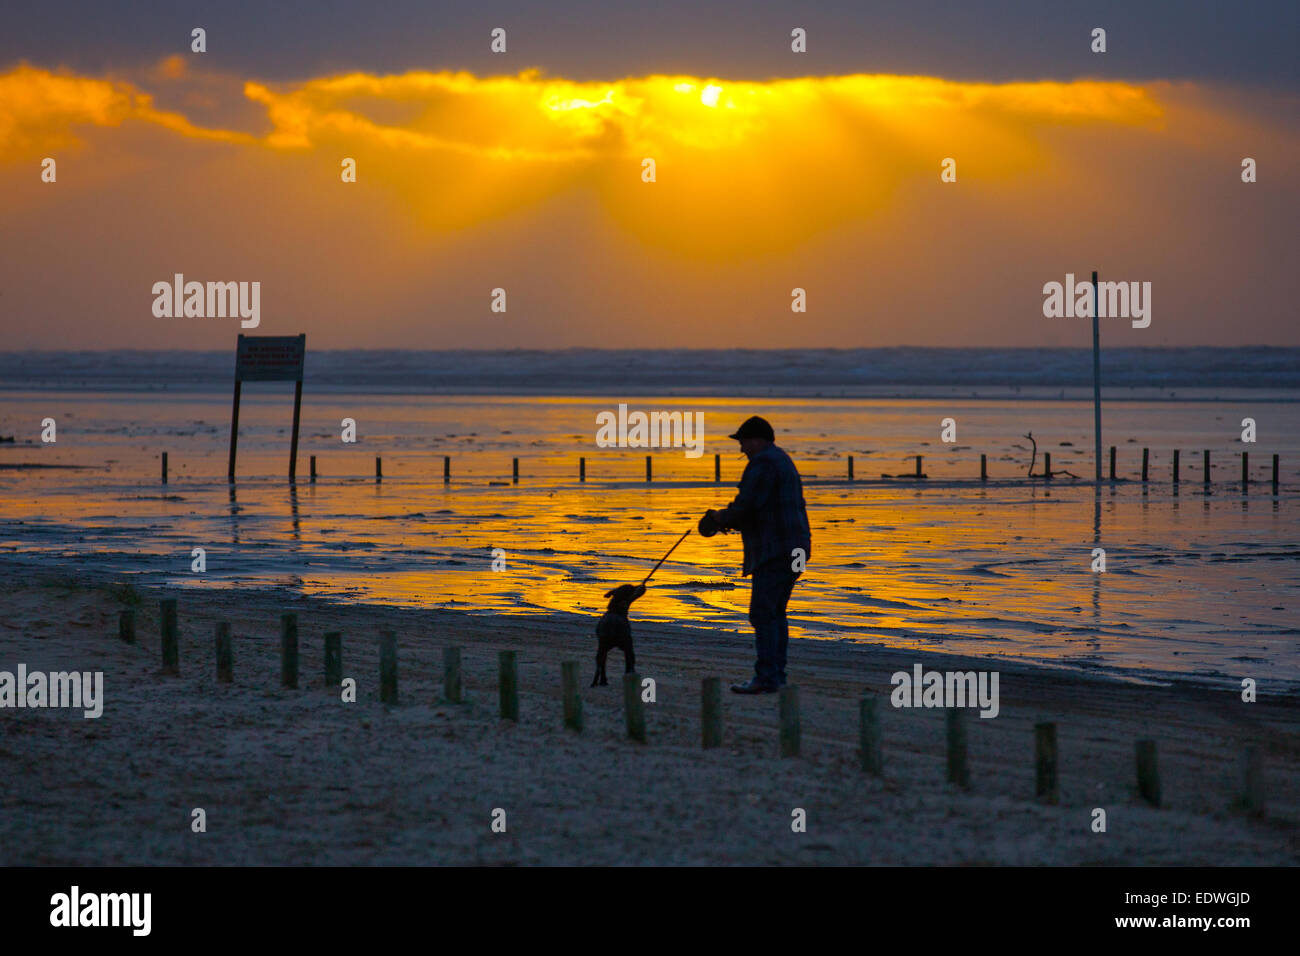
769, 510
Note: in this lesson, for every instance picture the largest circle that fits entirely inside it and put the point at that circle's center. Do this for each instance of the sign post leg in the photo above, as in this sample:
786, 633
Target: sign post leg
234, 432
293, 442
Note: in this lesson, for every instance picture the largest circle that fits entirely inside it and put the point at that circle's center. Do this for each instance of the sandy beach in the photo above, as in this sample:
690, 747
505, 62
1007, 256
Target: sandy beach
299, 777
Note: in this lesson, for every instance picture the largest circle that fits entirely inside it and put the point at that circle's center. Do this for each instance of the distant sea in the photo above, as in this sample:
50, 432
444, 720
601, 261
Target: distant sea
1146, 373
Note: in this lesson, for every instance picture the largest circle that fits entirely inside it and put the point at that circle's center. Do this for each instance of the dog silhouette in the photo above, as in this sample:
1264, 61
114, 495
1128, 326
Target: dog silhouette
614, 630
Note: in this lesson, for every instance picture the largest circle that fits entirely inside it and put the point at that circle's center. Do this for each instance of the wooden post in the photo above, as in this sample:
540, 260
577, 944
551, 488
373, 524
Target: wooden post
379, 469
1047, 465
446, 469
451, 674
1046, 787
170, 640
1245, 470
1147, 774
388, 667
647, 468
1205, 467
225, 654
582, 469
633, 709
126, 626
164, 468
313, 467
333, 658
958, 769
1146, 460
1275, 474
717, 467
293, 439
1176, 466
788, 709
984, 467
514, 477
508, 685
288, 650
869, 737
918, 466
1252, 781
1112, 462
569, 689
850, 467
711, 712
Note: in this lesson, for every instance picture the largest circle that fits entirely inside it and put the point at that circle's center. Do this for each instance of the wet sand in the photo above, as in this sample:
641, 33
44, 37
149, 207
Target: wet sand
1199, 579
298, 777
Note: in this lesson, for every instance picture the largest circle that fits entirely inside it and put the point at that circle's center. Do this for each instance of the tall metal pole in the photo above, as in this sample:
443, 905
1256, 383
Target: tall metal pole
1096, 372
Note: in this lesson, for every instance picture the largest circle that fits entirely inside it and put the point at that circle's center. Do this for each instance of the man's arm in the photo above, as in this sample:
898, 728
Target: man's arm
756, 487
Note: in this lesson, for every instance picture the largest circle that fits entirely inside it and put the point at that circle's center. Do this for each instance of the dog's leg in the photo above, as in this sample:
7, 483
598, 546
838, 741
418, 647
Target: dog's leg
601, 653
629, 658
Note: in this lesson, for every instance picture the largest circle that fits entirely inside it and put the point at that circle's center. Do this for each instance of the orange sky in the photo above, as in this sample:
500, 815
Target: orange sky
533, 183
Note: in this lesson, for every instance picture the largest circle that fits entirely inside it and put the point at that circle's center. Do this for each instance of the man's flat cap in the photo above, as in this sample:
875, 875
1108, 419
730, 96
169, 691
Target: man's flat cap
754, 427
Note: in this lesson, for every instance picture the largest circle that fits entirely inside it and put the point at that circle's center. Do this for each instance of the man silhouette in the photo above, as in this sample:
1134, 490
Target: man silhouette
770, 514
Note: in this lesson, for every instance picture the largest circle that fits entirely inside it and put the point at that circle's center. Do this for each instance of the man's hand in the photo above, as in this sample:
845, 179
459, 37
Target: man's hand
710, 525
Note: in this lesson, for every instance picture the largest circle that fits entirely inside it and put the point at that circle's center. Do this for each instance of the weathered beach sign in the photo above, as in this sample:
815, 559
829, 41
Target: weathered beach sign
268, 358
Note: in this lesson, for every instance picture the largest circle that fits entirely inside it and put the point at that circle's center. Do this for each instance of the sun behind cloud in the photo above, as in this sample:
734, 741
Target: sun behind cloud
465, 183
743, 167
799, 156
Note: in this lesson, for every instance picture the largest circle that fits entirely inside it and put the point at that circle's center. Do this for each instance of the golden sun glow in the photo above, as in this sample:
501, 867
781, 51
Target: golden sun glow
742, 166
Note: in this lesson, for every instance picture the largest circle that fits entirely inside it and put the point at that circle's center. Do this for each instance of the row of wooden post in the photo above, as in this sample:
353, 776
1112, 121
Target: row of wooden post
984, 470
1176, 470
1046, 785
